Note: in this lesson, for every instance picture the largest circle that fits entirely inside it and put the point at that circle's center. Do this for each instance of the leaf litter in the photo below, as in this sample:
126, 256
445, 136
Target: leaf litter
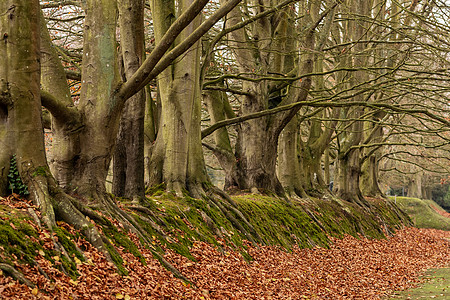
352, 268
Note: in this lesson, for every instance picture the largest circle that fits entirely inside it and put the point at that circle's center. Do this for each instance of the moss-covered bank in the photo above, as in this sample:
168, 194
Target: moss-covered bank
423, 213
275, 220
176, 223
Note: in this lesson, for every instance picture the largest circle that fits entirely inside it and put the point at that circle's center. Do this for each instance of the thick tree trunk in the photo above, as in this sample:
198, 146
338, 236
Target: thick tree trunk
66, 120
314, 183
20, 87
128, 173
150, 126
369, 178
178, 146
97, 100
347, 179
20, 92
288, 169
415, 189
258, 156
349, 162
256, 53
219, 109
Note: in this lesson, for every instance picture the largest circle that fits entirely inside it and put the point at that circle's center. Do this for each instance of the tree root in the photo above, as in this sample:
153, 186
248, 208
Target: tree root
115, 212
10, 270
69, 213
232, 219
231, 205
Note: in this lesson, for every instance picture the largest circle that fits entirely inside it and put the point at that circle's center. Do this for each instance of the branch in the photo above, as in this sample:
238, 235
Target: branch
316, 103
73, 75
238, 26
139, 79
226, 89
148, 71
60, 4
61, 112
15, 274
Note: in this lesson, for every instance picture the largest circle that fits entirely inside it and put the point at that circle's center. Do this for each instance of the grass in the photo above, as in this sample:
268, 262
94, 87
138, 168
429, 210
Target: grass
422, 213
436, 286
436, 281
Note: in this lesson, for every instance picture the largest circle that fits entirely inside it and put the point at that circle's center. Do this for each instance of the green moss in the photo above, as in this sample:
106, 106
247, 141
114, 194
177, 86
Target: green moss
122, 240
40, 171
63, 237
117, 259
277, 222
152, 190
15, 237
15, 244
281, 223
70, 267
422, 213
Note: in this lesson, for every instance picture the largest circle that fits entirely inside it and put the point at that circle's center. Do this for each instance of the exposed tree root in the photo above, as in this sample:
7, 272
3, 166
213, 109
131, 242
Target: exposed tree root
69, 213
110, 208
231, 205
10, 270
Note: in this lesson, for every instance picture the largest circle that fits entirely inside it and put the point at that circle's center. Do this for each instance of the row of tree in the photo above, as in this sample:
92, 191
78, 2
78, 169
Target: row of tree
296, 94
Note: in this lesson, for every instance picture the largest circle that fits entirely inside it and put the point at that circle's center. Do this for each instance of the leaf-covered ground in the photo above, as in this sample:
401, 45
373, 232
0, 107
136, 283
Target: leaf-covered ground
351, 269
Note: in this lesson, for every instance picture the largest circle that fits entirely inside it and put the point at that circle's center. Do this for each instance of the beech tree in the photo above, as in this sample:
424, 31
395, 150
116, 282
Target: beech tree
370, 53
270, 69
319, 83
21, 106
85, 134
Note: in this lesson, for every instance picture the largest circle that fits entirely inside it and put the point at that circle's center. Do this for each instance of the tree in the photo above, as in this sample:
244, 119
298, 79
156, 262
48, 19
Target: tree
261, 50
128, 180
178, 151
21, 103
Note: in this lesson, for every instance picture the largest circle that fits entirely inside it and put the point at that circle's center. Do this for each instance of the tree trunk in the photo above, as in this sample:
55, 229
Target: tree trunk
66, 120
347, 179
257, 156
20, 92
351, 135
20, 86
415, 186
150, 126
219, 109
288, 170
97, 100
257, 142
369, 178
128, 172
178, 144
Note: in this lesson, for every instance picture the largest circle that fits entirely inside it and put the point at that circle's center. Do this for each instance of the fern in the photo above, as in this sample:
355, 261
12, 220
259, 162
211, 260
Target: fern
15, 183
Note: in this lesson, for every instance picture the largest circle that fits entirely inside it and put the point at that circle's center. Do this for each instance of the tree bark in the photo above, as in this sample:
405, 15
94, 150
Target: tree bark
100, 77
128, 172
288, 169
218, 106
178, 144
351, 134
257, 142
66, 121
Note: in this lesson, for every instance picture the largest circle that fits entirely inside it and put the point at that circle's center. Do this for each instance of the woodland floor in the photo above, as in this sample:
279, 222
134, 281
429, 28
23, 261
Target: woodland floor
351, 269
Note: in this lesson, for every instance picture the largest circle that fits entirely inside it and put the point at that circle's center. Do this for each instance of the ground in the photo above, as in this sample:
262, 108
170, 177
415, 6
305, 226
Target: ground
344, 267
436, 285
